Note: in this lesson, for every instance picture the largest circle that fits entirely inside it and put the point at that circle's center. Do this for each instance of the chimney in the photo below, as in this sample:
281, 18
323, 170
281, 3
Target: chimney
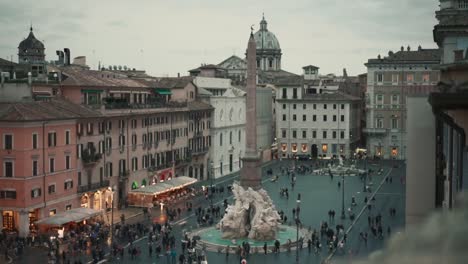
178, 74
409, 48
67, 56
60, 57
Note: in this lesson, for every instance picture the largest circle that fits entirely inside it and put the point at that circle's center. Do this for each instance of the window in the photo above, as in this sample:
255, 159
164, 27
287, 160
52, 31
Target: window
324, 118
283, 133
304, 134
67, 137
294, 135
304, 118
425, 77
285, 93
68, 184
7, 194
324, 106
342, 106
294, 118
334, 134
36, 192
67, 162
342, 118
324, 148
314, 118
379, 77
122, 140
294, 106
284, 106
314, 106
8, 168
134, 164
395, 101
284, 117
463, 4
394, 123
334, 118
34, 167
379, 100
34, 140
410, 78
324, 134
379, 122
89, 128
109, 125
334, 106
8, 141
314, 134
51, 188
304, 106
68, 207
239, 135
134, 140
395, 78
52, 212
294, 93
221, 138
230, 137
270, 63
342, 134
109, 169
52, 139
51, 165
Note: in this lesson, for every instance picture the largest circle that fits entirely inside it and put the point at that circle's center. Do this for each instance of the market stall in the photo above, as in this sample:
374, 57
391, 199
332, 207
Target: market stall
162, 192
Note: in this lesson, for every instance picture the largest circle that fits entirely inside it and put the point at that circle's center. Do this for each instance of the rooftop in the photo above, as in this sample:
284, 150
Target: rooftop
409, 56
168, 82
54, 109
73, 76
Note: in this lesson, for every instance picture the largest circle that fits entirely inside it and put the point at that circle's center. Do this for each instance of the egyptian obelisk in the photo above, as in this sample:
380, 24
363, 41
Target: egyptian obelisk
250, 175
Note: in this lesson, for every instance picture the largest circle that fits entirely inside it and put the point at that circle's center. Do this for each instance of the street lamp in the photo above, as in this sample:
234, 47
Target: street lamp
364, 189
298, 202
210, 191
343, 216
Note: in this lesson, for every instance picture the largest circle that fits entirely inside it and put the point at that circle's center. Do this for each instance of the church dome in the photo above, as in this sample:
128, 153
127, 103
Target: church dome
265, 39
31, 43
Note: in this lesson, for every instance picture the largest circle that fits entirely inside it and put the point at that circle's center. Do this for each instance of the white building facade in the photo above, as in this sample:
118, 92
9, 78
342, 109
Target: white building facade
228, 124
316, 125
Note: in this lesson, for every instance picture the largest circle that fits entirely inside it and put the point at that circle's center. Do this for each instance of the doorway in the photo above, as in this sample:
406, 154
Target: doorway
314, 151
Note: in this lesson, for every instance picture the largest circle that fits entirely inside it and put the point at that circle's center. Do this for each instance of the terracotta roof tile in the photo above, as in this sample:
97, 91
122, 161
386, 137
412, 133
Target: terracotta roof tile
76, 77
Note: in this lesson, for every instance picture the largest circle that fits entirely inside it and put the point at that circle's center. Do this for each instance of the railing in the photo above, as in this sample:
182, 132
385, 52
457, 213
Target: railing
199, 151
125, 105
124, 174
93, 186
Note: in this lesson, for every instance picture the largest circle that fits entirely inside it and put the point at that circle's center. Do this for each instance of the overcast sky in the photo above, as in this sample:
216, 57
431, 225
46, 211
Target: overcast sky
167, 37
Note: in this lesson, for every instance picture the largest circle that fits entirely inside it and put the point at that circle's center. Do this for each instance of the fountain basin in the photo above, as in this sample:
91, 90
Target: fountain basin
211, 239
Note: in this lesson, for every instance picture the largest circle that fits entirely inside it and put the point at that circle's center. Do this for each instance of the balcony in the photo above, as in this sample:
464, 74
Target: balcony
124, 174
199, 151
89, 157
374, 131
93, 186
183, 162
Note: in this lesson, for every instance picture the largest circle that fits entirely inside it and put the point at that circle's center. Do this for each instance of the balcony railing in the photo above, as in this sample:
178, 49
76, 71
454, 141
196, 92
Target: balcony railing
93, 186
199, 151
124, 174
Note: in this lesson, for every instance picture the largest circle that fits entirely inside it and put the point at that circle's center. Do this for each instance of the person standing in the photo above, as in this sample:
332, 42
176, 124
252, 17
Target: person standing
265, 248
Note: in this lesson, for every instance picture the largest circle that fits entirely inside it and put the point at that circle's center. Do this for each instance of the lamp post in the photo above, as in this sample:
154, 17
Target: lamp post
343, 216
210, 191
298, 222
364, 189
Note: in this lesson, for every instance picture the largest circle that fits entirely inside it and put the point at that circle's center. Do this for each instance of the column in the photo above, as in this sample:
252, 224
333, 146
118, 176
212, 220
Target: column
23, 224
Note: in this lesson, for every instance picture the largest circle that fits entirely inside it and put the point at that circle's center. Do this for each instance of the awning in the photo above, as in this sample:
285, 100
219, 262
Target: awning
91, 91
163, 91
73, 215
162, 187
